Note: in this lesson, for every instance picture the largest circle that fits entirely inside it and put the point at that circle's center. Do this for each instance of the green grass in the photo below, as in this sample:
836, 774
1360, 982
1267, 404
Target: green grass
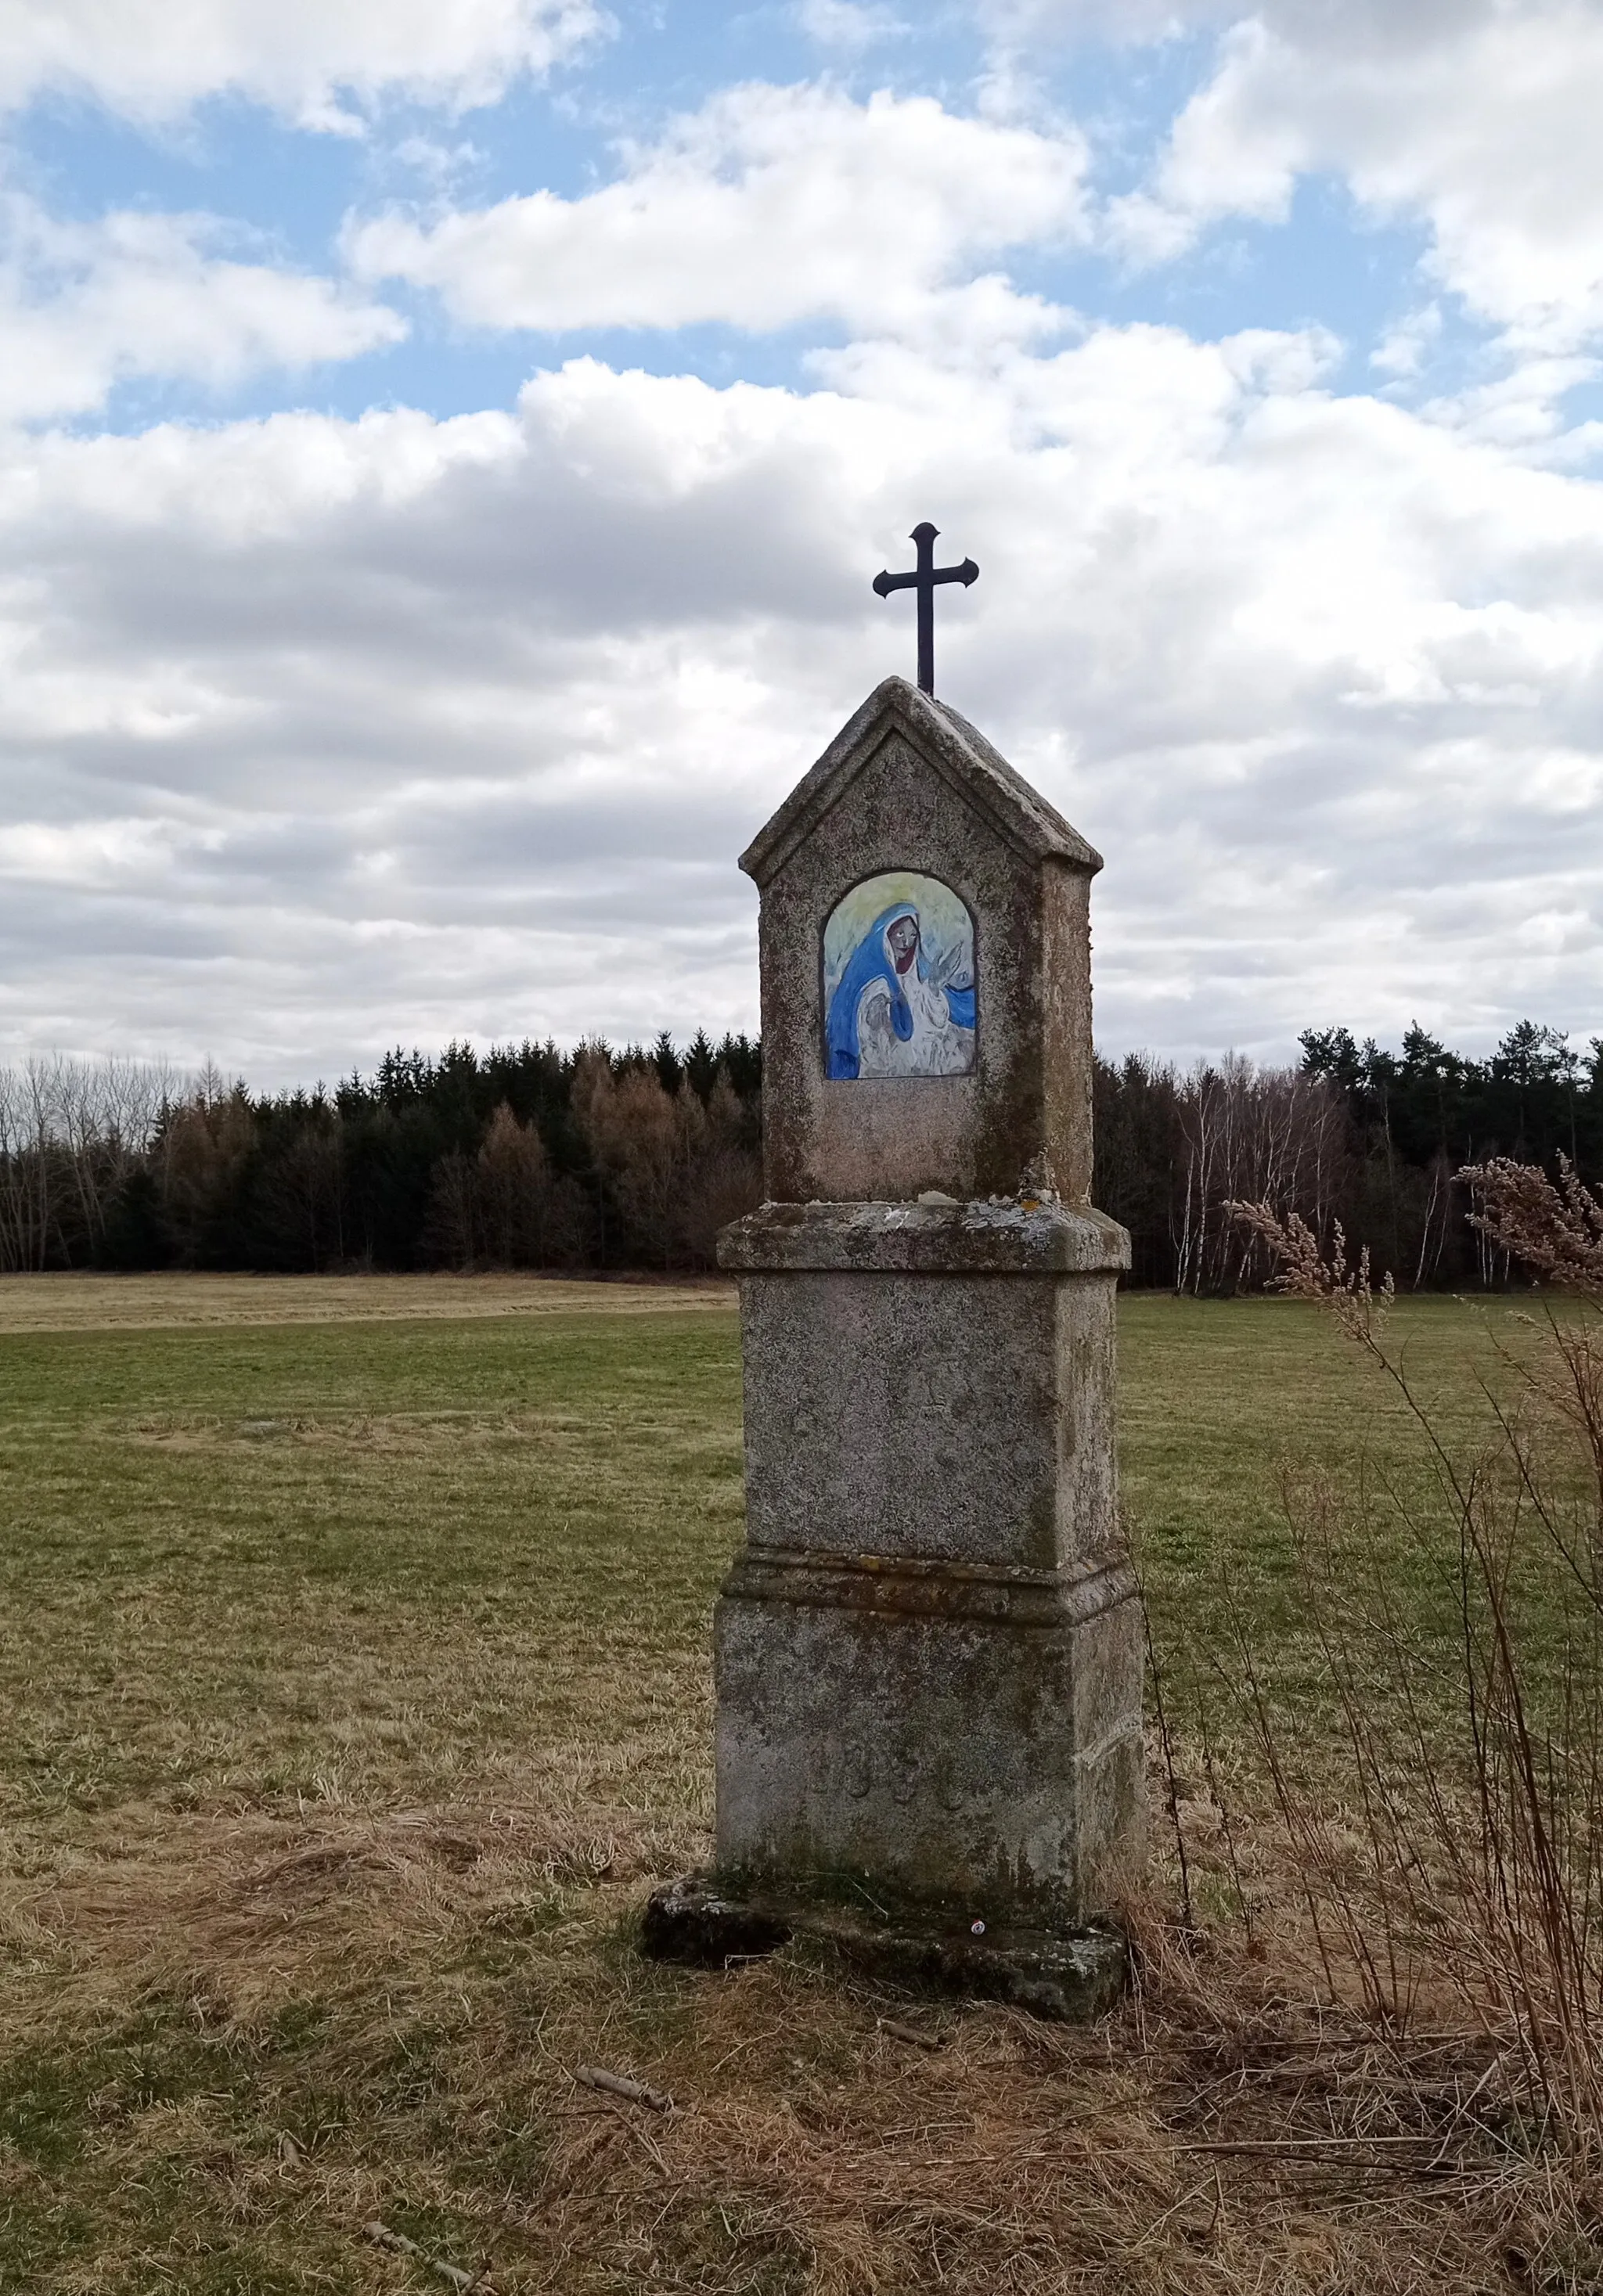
256, 1558
355, 1677
260, 1559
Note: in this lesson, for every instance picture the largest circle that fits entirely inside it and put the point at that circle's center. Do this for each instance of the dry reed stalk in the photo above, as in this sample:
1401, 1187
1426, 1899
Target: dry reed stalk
1478, 1809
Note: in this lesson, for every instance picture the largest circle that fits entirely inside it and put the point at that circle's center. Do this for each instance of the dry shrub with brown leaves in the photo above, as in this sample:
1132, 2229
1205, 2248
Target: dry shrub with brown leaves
1451, 1851
1557, 1232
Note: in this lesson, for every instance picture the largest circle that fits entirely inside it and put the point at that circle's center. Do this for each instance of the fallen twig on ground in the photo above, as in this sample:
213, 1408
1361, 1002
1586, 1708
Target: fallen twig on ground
911, 2034
620, 2085
453, 2274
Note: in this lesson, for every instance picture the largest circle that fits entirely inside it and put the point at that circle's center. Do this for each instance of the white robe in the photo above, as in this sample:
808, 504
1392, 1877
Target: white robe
937, 1047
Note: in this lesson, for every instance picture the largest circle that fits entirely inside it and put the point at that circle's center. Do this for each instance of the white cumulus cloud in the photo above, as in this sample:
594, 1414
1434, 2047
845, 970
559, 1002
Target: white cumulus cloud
318, 734
1478, 119
850, 26
308, 59
768, 206
84, 307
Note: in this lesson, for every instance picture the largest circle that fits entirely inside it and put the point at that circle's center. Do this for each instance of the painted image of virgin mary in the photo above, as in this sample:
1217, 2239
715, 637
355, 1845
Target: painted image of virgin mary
893, 1013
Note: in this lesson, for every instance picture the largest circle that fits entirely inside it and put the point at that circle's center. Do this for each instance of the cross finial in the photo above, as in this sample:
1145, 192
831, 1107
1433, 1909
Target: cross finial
923, 578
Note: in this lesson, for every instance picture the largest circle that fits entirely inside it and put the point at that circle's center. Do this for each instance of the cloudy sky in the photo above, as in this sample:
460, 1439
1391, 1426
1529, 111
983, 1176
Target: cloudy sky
444, 446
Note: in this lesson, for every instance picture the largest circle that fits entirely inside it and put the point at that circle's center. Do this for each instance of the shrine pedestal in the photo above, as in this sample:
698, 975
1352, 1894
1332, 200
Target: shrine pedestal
928, 1657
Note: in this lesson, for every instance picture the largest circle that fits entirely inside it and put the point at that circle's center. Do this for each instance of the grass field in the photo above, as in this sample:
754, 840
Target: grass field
354, 1656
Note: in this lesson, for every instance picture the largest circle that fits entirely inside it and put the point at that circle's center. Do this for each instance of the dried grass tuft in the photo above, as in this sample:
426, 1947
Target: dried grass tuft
1230, 2110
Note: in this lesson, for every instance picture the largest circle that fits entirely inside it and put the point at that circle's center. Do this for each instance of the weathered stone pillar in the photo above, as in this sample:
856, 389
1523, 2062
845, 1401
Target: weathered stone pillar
928, 1655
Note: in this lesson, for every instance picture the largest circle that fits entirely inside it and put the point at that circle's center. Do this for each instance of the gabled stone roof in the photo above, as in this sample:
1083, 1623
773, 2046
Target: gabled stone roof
977, 773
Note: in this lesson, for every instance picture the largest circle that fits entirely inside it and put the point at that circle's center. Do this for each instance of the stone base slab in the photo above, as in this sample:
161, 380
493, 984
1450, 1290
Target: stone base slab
965, 1738
1070, 1978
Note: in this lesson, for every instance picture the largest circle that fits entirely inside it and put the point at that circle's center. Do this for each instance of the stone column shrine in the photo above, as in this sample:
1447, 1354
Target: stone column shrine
928, 1654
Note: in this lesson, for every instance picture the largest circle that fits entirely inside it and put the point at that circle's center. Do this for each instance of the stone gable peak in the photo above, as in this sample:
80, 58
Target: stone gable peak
952, 748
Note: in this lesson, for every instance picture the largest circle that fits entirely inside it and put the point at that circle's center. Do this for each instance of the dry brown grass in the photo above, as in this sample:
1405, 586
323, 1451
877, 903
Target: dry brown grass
461, 1963
107, 1303
359, 1694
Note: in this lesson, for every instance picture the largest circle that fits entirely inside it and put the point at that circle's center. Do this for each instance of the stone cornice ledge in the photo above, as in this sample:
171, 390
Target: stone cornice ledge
931, 1585
996, 1235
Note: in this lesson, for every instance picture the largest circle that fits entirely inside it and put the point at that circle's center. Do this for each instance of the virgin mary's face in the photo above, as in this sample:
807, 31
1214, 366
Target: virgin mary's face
903, 939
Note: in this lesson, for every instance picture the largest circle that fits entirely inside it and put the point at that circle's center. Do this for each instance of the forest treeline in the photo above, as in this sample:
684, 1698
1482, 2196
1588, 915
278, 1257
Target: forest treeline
522, 1156
603, 1159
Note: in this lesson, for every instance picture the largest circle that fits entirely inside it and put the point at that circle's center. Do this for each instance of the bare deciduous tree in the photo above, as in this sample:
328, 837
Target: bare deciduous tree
1274, 1136
70, 1133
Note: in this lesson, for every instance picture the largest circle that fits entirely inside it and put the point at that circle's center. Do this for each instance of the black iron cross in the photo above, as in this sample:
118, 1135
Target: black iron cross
923, 578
